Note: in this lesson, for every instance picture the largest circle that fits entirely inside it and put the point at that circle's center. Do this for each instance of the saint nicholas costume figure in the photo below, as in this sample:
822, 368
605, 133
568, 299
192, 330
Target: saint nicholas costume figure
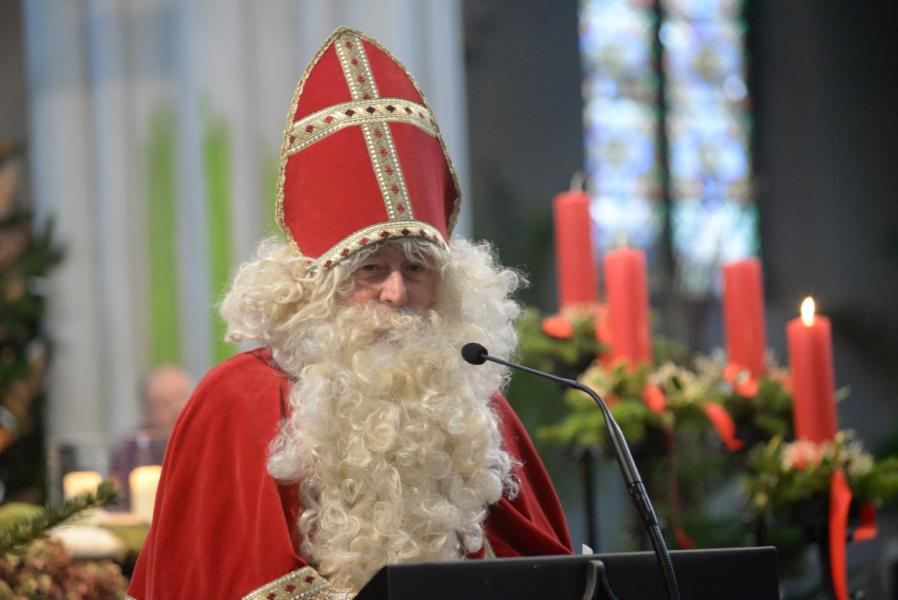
355, 436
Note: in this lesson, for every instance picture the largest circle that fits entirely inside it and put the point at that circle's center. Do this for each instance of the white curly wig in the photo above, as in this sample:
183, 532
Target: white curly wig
391, 435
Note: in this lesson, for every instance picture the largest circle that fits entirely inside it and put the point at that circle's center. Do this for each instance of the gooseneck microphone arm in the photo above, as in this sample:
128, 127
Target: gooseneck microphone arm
476, 354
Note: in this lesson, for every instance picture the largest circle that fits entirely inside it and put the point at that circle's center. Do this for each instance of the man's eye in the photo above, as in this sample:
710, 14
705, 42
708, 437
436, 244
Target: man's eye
416, 268
369, 268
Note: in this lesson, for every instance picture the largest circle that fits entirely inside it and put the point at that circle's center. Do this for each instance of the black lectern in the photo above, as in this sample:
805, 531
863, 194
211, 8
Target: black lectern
733, 574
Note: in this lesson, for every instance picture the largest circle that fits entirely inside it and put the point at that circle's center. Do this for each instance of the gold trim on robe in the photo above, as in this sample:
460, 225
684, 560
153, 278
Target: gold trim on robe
488, 552
302, 584
307, 584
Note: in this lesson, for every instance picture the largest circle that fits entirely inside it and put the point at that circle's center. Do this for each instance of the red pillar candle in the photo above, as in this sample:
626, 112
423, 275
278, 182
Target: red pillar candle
628, 305
813, 382
577, 280
743, 312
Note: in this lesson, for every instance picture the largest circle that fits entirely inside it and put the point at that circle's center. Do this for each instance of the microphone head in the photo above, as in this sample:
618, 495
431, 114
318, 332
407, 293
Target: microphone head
474, 353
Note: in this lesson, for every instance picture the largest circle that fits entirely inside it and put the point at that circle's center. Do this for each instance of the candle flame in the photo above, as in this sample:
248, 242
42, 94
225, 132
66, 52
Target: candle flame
807, 311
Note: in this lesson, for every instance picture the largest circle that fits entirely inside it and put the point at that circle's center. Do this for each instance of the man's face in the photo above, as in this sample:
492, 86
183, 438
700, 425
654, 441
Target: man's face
390, 278
168, 391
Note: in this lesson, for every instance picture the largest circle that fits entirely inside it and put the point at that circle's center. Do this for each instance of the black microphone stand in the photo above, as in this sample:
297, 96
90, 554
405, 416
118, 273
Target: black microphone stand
477, 354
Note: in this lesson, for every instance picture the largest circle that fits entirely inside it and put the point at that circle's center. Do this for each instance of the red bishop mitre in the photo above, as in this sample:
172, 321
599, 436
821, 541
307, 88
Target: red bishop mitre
362, 159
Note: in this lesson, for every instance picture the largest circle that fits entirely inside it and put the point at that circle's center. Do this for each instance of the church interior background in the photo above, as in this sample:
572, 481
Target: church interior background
139, 143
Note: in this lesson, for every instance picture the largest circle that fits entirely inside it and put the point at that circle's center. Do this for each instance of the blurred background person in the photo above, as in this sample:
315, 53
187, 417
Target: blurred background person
163, 394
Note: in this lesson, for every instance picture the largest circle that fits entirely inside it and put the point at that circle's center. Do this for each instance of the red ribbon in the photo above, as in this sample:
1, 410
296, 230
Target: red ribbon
724, 425
866, 529
602, 328
673, 493
741, 379
839, 502
683, 540
558, 326
654, 398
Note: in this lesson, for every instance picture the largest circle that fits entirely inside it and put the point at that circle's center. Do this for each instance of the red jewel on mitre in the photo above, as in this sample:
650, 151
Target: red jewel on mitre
362, 157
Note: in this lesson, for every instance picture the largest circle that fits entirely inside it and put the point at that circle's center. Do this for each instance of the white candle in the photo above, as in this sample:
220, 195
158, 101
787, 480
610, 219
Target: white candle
144, 481
79, 482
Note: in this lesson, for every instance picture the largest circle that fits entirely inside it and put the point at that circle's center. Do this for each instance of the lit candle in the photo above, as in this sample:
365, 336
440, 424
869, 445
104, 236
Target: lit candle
78, 482
144, 481
813, 382
628, 305
743, 311
577, 280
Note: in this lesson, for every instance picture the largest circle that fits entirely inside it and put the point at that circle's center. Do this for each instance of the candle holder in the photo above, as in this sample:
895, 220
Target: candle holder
143, 448
76, 464
805, 523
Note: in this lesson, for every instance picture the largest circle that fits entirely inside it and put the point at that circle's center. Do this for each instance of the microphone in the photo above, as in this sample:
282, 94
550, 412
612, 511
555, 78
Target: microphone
476, 354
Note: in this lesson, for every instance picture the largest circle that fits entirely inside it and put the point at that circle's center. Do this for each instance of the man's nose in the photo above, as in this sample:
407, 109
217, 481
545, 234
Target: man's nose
393, 291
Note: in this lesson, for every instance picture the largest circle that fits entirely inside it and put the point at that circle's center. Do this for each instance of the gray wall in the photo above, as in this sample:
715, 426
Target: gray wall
12, 101
525, 115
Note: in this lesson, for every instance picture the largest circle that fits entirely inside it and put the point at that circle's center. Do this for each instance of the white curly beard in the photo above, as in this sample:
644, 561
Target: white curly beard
394, 442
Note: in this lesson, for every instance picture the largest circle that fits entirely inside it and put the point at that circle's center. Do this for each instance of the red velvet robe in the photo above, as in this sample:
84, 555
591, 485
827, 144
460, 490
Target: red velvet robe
223, 526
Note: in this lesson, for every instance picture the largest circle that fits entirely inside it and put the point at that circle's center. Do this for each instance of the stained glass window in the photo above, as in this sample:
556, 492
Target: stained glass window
705, 119
621, 122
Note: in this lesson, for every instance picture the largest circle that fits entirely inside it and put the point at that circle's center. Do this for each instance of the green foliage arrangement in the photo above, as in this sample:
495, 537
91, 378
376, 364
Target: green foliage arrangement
21, 526
782, 474
701, 429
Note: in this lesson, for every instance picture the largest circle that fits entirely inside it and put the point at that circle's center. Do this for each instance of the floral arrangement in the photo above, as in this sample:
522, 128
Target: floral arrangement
699, 427
702, 391
782, 474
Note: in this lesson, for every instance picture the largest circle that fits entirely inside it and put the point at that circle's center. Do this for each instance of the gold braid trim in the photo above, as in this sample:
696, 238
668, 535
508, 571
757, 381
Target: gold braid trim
321, 124
456, 209
378, 138
380, 232
302, 584
488, 552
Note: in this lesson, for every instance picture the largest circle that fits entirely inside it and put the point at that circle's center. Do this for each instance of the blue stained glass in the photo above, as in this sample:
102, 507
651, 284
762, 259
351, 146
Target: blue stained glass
626, 219
710, 151
621, 121
615, 43
701, 58
699, 10
711, 233
713, 219
622, 139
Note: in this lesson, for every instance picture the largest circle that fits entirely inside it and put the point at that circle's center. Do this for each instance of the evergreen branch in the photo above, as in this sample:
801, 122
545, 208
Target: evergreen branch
31, 528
